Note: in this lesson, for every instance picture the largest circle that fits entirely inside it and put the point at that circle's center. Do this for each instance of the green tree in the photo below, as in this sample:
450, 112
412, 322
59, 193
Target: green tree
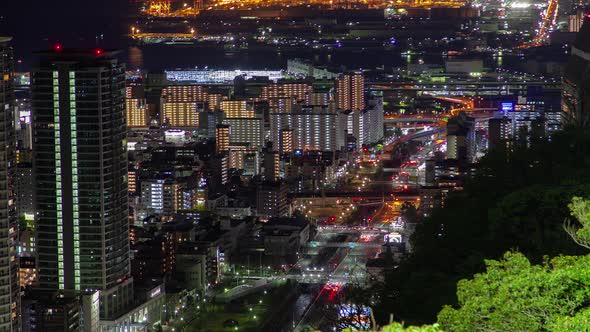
516, 200
579, 230
397, 327
578, 323
515, 295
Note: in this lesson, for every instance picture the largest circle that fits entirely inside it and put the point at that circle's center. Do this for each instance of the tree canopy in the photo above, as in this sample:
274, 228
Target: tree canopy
398, 327
515, 295
517, 200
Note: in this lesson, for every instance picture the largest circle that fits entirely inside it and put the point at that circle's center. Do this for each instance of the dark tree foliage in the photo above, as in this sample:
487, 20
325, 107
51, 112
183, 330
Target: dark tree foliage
516, 201
409, 212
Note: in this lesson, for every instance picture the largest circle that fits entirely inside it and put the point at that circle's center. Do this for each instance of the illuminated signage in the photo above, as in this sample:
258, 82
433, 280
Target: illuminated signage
507, 107
155, 292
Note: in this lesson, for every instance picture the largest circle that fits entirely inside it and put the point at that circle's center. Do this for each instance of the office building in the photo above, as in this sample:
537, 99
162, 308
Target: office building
24, 133
158, 196
430, 172
350, 92
49, 312
165, 196
285, 237
460, 138
523, 122
80, 167
245, 131
432, 198
457, 147
24, 190
542, 103
9, 288
271, 160
499, 133
251, 165
218, 166
208, 122
271, 200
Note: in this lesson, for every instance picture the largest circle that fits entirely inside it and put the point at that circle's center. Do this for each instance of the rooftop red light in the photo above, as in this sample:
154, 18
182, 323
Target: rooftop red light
58, 47
98, 52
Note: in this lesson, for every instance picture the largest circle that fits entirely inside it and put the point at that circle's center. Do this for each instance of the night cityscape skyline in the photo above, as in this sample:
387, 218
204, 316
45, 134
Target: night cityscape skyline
300, 165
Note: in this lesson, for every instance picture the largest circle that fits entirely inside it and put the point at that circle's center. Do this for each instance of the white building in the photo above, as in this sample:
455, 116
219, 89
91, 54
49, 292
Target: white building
313, 128
366, 125
373, 120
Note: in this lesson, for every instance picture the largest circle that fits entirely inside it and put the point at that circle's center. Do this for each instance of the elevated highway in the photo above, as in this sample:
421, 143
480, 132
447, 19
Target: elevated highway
414, 136
370, 194
411, 119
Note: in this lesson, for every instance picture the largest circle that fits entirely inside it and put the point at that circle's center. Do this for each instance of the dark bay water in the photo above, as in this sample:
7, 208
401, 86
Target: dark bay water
37, 25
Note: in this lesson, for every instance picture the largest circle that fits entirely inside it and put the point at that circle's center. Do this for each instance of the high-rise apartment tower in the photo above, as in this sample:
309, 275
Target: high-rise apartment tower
80, 166
9, 288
